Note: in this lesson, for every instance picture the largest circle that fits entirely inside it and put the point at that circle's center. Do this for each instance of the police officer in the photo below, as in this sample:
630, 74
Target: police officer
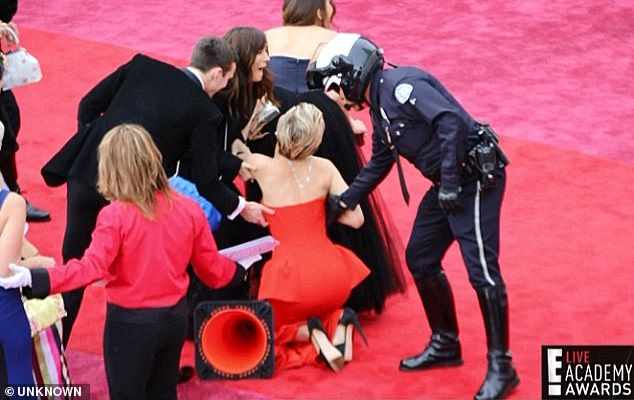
414, 116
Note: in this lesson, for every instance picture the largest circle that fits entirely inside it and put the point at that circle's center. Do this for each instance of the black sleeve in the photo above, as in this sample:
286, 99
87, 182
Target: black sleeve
373, 173
228, 165
239, 277
40, 284
205, 171
444, 117
97, 100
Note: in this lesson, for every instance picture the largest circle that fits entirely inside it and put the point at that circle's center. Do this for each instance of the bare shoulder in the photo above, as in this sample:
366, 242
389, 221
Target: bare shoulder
261, 162
274, 31
259, 159
326, 34
276, 35
324, 164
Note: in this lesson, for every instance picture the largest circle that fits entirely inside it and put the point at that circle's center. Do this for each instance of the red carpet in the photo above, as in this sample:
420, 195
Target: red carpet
554, 79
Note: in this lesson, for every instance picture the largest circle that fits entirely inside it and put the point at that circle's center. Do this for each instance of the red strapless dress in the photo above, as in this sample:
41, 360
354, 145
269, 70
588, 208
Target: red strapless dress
307, 275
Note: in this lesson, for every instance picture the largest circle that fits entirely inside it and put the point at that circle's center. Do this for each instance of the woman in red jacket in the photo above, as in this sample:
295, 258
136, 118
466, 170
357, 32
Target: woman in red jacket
140, 247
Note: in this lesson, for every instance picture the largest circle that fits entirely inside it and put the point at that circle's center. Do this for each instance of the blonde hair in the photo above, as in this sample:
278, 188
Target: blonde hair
299, 131
131, 169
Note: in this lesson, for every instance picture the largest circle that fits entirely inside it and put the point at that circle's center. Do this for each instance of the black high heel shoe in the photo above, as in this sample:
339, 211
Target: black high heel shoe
342, 339
326, 350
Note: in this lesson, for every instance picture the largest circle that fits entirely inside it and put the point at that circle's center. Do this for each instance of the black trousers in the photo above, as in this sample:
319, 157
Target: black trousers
142, 349
476, 228
11, 117
83, 206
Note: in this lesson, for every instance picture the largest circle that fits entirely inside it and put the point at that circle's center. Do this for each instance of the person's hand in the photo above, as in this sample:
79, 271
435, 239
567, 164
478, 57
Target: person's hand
20, 277
334, 96
358, 126
449, 199
5, 32
240, 149
246, 171
334, 208
359, 130
254, 213
252, 130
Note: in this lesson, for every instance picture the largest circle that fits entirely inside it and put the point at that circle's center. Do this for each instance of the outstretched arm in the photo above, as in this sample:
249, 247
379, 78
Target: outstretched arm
214, 269
253, 165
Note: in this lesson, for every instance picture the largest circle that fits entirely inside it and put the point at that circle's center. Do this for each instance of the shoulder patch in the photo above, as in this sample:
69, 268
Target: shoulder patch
402, 92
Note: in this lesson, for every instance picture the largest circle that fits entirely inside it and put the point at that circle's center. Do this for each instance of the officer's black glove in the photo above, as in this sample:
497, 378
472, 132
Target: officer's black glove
334, 208
449, 200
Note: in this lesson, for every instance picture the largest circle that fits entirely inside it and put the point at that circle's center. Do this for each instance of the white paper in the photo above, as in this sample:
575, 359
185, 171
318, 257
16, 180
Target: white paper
246, 263
252, 248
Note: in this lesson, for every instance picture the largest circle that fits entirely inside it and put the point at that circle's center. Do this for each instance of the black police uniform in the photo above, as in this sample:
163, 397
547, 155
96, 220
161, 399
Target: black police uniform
414, 116
431, 130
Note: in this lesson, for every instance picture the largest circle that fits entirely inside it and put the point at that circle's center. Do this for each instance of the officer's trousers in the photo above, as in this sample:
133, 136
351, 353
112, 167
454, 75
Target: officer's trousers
476, 228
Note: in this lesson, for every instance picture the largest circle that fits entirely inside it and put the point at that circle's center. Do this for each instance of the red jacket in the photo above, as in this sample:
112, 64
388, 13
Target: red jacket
144, 262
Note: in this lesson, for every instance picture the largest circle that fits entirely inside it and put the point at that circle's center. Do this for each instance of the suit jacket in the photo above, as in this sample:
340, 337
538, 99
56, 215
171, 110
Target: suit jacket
172, 107
8, 8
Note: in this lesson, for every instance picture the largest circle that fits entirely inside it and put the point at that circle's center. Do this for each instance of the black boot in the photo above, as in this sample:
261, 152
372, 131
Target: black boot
501, 375
35, 214
443, 348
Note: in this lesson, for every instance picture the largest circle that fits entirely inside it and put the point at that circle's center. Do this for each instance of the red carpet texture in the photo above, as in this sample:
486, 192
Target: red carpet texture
554, 78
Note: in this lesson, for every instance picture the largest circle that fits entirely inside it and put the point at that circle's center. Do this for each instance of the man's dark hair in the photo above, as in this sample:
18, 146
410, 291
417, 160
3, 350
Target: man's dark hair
212, 51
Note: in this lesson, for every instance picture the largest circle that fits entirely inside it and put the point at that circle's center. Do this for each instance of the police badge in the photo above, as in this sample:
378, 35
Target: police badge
402, 92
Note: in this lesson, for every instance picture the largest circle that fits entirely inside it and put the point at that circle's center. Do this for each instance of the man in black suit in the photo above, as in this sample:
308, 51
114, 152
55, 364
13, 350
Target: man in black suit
174, 105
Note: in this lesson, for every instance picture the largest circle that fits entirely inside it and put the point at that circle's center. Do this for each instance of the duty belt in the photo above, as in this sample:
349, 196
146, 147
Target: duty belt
466, 176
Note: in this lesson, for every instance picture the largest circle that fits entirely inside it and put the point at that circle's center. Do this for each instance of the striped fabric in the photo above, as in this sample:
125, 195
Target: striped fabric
49, 363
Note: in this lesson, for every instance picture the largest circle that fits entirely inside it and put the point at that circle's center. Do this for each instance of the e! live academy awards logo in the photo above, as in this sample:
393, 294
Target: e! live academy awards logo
587, 372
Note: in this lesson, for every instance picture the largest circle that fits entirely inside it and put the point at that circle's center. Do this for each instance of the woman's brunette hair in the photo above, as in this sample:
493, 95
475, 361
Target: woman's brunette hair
305, 13
247, 42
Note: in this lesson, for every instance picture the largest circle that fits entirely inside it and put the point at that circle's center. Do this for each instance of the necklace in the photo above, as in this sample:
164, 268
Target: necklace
302, 183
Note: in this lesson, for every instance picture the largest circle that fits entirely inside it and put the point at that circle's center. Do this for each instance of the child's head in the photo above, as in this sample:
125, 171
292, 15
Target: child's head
299, 131
130, 167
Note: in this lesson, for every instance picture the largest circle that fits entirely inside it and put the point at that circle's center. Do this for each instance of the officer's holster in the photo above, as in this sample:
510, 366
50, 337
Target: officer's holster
485, 157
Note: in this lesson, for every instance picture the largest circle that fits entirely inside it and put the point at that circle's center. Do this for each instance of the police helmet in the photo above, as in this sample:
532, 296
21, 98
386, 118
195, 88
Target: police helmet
348, 60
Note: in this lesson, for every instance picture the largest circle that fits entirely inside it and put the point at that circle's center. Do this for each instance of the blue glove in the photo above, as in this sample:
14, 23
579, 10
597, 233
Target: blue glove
449, 199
